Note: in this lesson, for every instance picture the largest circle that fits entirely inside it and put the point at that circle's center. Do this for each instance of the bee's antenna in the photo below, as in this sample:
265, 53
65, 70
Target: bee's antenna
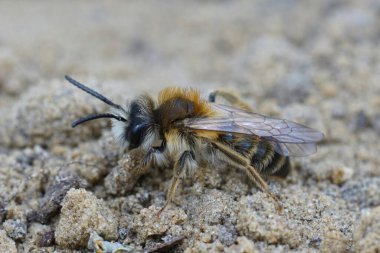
93, 93
97, 116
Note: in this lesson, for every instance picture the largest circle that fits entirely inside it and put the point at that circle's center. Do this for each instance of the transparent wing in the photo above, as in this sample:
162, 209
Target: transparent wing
288, 138
295, 149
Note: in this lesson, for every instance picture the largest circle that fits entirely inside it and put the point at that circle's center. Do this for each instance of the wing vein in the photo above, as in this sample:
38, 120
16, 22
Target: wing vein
288, 138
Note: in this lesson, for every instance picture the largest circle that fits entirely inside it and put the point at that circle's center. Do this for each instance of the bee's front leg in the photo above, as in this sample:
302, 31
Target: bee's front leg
155, 157
182, 166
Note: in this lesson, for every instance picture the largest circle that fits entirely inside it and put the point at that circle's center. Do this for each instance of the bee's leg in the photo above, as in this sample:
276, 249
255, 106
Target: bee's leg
230, 97
244, 163
185, 163
155, 157
259, 181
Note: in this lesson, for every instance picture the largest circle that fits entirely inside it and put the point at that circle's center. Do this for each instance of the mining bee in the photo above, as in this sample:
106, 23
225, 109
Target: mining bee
182, 129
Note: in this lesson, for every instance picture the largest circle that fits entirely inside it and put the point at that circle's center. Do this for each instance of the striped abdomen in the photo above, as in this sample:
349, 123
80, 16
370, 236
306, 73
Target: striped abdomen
261, 154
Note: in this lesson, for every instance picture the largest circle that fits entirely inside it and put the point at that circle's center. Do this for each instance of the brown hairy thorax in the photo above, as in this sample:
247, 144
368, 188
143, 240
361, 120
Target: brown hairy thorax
179, 103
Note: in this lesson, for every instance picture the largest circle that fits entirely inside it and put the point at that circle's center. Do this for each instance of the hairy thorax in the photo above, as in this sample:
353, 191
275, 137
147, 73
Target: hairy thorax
175, 105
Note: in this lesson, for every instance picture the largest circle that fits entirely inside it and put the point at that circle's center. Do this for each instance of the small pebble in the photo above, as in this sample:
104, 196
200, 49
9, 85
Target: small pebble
124, 176
47, 239
51, 202
341, 174
359, 121
227, 234
7, 245
16, 229
81, 214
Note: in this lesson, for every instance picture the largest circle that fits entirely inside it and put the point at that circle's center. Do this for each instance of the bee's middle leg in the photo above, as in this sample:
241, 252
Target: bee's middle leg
185, 163
230, 97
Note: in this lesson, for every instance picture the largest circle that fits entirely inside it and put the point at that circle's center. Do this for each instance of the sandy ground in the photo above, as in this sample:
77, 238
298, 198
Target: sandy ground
315, 62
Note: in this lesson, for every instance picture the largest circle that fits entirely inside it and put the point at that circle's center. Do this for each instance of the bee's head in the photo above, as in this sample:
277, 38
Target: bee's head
139, 128
132, 128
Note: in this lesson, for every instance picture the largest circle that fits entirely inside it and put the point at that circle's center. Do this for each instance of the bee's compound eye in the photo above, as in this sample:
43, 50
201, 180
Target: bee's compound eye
136, 135
137, 130
140, 121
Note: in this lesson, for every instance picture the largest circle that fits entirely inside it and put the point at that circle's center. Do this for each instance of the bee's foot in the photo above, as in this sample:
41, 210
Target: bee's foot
162, 209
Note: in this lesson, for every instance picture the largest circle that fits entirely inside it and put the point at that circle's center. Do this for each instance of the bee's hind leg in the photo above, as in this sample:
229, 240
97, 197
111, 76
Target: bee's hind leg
263, 186
185, 163
252, 173
230, 97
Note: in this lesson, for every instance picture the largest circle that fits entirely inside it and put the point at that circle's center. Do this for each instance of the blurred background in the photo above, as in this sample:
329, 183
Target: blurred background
328, 46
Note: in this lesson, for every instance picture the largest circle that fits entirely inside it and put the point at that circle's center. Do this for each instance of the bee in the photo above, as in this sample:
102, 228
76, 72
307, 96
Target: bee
182, 129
